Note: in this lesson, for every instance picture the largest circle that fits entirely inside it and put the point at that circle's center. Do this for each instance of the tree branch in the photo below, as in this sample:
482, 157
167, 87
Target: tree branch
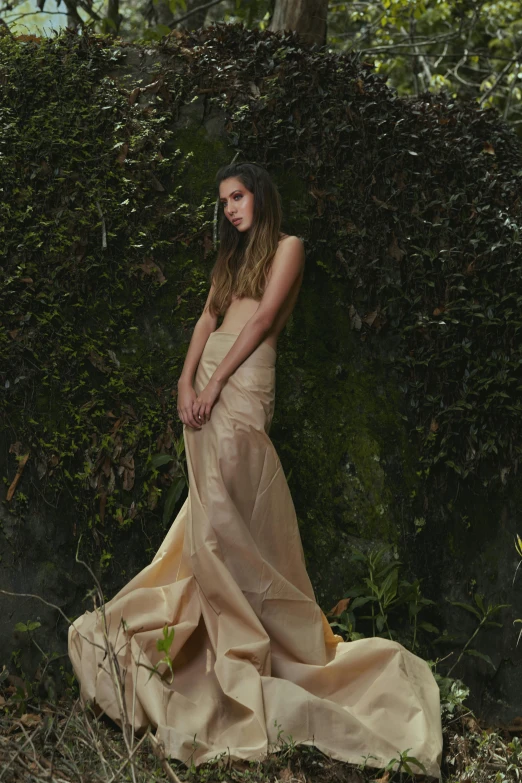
194, 11
501, 75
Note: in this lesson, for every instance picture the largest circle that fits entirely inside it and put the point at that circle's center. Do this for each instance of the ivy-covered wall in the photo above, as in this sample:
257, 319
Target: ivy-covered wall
398, 377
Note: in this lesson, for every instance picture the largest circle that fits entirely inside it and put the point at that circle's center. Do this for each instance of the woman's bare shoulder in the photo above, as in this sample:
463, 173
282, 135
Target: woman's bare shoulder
289, 238
290, 244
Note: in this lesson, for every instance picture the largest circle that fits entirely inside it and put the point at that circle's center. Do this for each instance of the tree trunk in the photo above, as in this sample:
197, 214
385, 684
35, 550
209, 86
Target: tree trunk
113, 15
307, 17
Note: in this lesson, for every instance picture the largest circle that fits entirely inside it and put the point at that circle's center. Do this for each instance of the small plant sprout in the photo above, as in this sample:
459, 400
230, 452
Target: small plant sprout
404, 764
518, 547
179, 481
484, 615
163, 645
382, 592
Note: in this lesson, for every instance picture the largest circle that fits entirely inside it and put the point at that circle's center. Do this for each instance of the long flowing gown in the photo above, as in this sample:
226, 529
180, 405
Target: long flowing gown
254, 658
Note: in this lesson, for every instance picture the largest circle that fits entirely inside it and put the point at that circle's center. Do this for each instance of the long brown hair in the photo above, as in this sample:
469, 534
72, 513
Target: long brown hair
244, 258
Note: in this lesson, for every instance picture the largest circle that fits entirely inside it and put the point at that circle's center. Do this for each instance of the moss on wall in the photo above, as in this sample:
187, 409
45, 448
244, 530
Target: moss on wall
398, 376
339, 429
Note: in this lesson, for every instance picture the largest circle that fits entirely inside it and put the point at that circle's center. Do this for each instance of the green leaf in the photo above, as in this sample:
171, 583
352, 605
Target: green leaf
494, 609
358, 557
407, 761
450, 638
477, 654
341, 626
360, 601
162, 29
467, 607
160, 459
180, 447
164, 645
32, 625
389, 586
172, 498
354, 592
428, 627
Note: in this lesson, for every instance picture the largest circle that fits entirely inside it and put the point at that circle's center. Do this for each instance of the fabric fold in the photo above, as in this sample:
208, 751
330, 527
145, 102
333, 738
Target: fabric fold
254, 658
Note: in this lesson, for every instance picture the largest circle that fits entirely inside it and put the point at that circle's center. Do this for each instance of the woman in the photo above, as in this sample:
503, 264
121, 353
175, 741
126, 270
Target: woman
252, 654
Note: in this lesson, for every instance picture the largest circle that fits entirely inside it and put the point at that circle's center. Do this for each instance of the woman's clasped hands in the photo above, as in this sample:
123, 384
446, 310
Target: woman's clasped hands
194, 409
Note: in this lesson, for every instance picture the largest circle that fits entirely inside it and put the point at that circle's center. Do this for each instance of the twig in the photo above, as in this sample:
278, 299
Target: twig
194, 11
85, 730
134, 700
501, 75
510, 95
62, 735
18, 476
157, 749
414, 70
6, 28
53, 606
459, 717
114, 669
48, 659
95, 742
441, 57
29, 739
108, 746
17, 754
130, 759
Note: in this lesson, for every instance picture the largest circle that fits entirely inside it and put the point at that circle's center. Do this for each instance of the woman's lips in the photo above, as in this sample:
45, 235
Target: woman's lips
236, 221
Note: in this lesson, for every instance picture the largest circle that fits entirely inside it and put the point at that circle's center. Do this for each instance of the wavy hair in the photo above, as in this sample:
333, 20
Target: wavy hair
244, 258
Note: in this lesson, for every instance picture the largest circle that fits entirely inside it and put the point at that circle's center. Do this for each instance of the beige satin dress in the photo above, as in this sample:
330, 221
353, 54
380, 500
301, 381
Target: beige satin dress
254, 657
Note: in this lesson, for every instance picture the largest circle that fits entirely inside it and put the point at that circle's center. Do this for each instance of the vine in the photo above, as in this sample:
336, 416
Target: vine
410, 212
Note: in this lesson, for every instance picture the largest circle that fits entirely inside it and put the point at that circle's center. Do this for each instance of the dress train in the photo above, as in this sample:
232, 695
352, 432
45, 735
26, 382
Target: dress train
254, 657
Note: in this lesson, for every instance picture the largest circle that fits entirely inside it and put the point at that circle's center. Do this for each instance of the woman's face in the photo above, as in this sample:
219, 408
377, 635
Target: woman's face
238, 203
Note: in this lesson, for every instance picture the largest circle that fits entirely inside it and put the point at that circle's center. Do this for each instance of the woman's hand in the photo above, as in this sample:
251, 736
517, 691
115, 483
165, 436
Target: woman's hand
186, 399
204, 402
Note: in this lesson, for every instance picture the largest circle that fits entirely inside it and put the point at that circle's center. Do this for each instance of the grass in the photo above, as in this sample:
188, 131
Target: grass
56, 738
60, 741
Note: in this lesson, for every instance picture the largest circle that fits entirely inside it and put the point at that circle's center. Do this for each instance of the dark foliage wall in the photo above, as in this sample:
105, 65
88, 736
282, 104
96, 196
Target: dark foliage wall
399, 375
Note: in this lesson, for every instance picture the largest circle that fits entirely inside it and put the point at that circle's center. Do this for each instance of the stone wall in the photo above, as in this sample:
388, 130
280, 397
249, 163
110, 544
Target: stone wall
94, 336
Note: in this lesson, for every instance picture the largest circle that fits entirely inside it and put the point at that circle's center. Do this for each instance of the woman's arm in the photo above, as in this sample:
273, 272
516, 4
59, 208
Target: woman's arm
286, 267
205, 325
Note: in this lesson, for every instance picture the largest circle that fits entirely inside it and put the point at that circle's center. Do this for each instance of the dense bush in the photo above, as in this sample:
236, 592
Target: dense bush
410, 213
